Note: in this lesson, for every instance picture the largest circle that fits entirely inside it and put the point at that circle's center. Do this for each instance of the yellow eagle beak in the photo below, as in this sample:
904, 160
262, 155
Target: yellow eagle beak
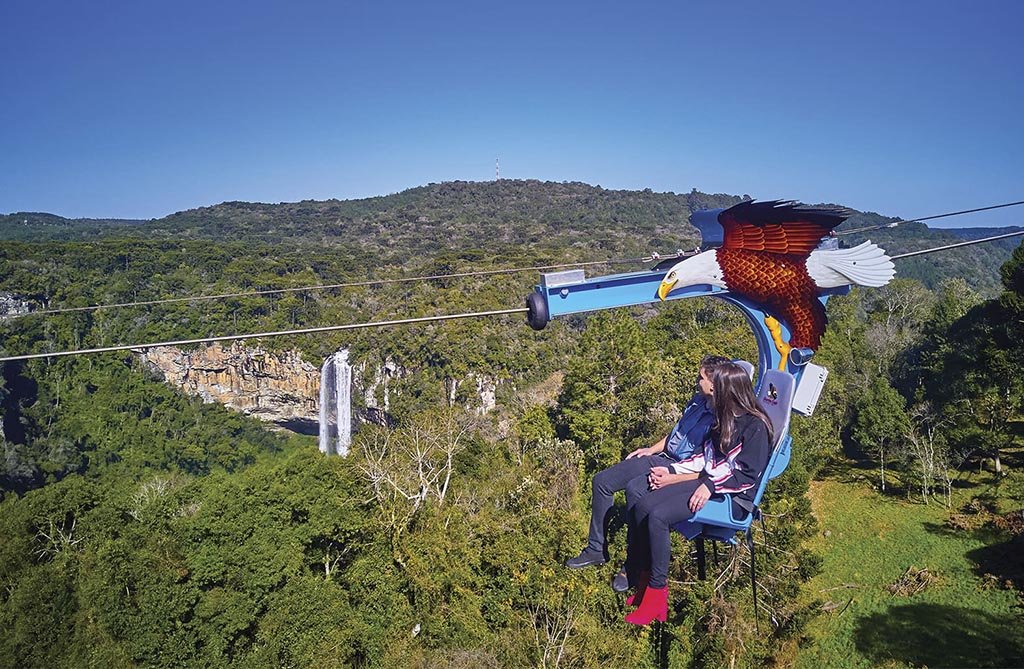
665, 288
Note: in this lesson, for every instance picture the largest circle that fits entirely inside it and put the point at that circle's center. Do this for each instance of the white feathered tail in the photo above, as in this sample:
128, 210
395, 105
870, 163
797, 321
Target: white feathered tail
864, 265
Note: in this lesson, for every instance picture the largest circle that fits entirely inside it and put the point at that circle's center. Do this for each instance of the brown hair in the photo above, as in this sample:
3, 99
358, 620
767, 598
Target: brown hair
733, 397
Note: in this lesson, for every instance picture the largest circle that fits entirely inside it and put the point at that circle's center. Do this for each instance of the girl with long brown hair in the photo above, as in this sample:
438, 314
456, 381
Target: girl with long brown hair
731, 461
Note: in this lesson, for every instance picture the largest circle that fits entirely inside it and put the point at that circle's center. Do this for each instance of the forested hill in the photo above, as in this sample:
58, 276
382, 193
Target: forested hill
488, 215
33, 226
978, 233
140, 526
571, 220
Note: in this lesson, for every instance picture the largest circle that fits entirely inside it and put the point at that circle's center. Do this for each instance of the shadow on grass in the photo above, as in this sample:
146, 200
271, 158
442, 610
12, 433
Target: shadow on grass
935, 635
1002, 561
983, 533
898, 485
846, 471
998, 561
1013, 457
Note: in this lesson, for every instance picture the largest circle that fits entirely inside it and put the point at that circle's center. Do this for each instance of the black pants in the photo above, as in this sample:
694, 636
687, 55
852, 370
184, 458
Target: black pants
629, 475
651, 520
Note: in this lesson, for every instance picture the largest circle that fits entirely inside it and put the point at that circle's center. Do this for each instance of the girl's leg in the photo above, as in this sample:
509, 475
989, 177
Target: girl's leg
664, 508
604, 486
638, 551
638, 562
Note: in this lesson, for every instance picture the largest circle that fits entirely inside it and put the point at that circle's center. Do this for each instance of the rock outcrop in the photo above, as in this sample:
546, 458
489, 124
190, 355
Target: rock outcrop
282, 388
13, 305
276, 387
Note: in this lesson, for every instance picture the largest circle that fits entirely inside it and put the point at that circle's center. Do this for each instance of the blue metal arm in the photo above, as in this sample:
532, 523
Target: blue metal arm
564, 293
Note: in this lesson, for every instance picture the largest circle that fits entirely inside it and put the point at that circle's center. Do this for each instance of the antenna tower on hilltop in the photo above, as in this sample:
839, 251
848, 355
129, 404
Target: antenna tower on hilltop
497, 171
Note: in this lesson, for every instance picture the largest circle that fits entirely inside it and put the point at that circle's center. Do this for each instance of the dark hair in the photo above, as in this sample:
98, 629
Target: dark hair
709, 363
733, 397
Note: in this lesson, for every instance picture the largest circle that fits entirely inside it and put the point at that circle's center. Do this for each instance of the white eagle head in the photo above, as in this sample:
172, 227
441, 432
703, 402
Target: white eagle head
702, 268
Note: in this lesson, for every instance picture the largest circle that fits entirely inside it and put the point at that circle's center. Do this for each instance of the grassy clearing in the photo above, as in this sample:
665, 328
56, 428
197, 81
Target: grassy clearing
961, 617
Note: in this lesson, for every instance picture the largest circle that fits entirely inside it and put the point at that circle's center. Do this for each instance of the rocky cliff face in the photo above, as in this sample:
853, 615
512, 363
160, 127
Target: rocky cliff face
13, 305
284, 389
276, 387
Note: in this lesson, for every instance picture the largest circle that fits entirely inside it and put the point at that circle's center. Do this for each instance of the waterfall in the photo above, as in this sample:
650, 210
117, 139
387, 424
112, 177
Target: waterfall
335, 404
343, 384
328, 408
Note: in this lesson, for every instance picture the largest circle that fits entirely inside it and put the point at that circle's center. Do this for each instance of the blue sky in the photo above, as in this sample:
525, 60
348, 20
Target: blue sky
139, 109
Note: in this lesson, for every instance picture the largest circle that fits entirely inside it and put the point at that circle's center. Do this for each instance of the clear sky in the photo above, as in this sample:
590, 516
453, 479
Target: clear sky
139, 109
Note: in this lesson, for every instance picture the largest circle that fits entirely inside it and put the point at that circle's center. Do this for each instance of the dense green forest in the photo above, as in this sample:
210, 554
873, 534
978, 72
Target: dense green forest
141, 527
572, 221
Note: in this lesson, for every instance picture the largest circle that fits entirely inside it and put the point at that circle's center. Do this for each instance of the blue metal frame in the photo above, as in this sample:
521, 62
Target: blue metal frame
563, 297
566, 293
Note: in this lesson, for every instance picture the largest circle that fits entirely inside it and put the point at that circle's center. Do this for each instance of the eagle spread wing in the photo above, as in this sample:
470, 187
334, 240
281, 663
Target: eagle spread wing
778, 226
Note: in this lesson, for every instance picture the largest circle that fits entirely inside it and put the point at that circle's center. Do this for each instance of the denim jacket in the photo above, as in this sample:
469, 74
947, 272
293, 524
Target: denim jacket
691, 430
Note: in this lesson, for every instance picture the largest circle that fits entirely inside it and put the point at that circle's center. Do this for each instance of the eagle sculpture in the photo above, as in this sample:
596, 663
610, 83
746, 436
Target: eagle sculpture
769, 254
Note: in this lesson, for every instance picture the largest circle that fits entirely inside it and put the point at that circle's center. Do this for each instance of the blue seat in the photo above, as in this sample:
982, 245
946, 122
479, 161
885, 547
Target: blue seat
715, 520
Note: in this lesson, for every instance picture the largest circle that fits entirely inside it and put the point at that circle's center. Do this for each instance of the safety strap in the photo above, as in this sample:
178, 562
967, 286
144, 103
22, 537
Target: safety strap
744, 504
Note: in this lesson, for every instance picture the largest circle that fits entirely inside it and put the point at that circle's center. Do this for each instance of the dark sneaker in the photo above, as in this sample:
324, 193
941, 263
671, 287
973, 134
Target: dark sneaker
621, 582
587, 558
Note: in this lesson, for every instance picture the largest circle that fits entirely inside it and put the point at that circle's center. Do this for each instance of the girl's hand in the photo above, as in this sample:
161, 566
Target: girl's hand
699, 497
659, 478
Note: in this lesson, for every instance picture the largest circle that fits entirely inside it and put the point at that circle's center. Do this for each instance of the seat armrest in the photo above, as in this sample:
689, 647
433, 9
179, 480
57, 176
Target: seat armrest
719, 512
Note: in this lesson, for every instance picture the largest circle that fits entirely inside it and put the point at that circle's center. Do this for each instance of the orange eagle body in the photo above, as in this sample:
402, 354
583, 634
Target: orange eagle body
771, 254
781, 283
764, 257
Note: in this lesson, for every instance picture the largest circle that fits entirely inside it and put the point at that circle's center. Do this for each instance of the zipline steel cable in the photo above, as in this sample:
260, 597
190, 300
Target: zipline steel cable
257, 335
513, 270
957, 245
354, 284
928, 218
403, 321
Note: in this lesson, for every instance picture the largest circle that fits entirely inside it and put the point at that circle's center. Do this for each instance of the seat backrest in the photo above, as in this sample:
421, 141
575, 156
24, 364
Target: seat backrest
776, 397
747, 367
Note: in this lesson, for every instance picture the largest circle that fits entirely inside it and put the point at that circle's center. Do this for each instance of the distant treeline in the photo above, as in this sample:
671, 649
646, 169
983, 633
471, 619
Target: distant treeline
494, 217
